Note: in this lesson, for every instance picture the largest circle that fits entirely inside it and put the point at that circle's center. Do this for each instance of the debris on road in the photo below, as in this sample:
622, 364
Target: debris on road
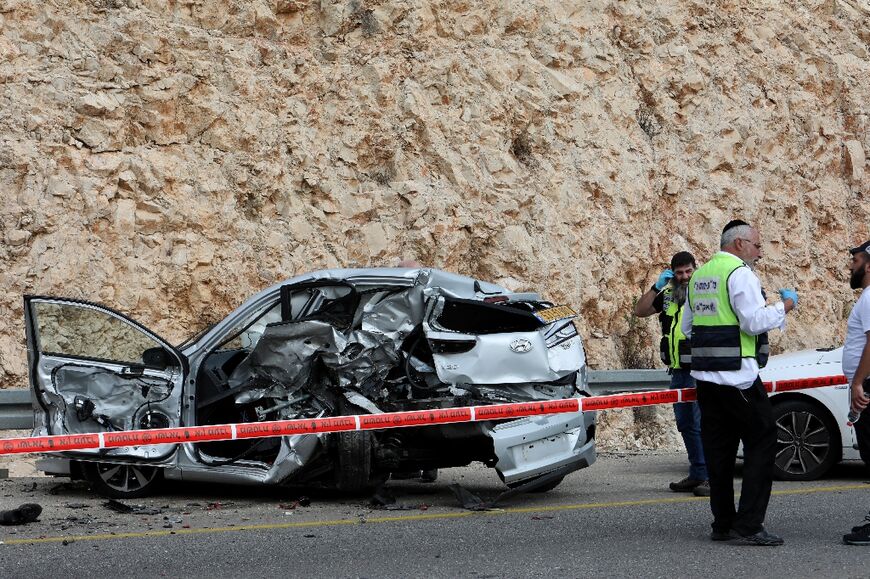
72, 520
384, 499
216, 505
67, 487
468, 499
125, 509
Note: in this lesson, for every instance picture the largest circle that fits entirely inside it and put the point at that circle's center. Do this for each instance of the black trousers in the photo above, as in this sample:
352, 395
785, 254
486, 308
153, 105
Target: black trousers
728, 416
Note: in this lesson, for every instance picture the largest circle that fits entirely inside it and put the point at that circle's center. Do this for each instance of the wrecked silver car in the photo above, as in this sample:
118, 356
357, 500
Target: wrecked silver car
334, 342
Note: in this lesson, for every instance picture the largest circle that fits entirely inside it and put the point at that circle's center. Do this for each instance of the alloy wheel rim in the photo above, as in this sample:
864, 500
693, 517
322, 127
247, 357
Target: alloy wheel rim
126, 478
803, 442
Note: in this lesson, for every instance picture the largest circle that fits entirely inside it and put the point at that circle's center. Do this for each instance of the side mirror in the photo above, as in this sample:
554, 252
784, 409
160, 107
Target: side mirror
157, 358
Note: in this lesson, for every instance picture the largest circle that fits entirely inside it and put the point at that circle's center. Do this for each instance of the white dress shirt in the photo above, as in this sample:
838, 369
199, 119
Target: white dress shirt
744, 289
857, 329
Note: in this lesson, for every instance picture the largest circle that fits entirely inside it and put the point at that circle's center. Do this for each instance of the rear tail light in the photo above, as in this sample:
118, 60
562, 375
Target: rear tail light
495, 299
451, 346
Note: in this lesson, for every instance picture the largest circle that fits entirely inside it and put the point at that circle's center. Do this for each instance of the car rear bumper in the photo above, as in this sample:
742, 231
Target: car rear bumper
532, 446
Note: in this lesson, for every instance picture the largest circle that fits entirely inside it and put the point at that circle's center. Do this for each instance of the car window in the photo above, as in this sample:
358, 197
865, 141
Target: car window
476, 317
80, 331
320, 300
335, 303
248, 338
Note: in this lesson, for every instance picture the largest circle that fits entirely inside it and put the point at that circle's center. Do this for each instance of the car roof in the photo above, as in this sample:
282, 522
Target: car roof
454, 283
451, 284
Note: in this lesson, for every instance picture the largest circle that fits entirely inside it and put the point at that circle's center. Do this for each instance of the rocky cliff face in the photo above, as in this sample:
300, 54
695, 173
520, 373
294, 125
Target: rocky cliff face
168, 158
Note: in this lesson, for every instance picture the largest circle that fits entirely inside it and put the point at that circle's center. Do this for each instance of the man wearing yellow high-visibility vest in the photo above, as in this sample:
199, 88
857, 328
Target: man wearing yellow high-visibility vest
666, 298
727, 321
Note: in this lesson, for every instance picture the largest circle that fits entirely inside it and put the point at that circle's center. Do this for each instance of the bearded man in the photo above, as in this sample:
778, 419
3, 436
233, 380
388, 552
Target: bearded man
666, 298
856, 367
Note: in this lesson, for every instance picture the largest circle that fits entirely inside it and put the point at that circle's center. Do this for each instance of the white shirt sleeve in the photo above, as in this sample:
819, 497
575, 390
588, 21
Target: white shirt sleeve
688, 316
755, 317
864, 313
857, 334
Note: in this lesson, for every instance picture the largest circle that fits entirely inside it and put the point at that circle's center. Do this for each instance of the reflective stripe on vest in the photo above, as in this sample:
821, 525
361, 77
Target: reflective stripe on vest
716, 352
718, 343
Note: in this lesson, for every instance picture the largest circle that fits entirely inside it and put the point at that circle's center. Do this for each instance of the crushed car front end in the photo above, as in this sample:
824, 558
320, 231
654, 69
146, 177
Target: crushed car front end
380, 340
350, 341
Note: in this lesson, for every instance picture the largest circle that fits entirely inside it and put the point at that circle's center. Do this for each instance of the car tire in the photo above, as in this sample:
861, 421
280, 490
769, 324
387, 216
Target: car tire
547, 486
353, 471
807, 441
122, 481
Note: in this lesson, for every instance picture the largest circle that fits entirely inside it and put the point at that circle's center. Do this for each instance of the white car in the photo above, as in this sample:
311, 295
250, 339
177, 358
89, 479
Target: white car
334, 342
812, 432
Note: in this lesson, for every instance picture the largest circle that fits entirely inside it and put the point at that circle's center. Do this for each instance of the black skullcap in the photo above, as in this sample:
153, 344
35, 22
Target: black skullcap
865, 247
734, 223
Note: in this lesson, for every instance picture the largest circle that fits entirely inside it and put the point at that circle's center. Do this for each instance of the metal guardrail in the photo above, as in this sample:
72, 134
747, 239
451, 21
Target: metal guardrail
16, 412
602, 382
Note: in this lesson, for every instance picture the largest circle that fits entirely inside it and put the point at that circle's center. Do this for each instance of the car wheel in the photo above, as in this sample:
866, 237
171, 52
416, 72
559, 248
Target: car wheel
547, 486
807, 441
122, 481
353, 471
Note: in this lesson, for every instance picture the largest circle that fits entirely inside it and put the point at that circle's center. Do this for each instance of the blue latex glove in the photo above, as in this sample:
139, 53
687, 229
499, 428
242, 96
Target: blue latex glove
789, 294
663, 280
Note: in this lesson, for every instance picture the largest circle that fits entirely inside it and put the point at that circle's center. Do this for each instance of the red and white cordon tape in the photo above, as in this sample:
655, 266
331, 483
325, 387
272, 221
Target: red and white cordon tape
370, 421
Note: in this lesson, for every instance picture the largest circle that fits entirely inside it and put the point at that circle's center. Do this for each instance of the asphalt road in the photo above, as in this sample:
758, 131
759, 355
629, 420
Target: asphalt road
615, 519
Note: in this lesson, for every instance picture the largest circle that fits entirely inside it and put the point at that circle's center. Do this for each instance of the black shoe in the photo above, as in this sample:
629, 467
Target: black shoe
723, 535
761, 539
26, 513
857, 528
702, 490
686, 485
860, 535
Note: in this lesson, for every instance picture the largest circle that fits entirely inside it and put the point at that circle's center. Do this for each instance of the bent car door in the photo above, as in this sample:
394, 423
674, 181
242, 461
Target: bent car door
94, 370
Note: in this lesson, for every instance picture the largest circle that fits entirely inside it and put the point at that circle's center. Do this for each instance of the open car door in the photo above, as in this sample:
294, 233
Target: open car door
95, 370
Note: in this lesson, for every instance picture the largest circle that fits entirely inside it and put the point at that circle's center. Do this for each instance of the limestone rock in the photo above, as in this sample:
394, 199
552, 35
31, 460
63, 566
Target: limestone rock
290, 6
99, 104
855, 160
17, 237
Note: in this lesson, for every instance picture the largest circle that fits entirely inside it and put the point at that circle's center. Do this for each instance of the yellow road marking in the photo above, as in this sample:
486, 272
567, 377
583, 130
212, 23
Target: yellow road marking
405, 518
